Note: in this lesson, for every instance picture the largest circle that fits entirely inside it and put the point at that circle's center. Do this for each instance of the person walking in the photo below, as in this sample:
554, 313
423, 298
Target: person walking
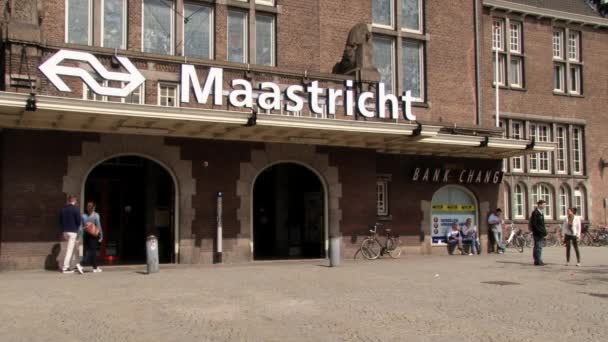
495, 222
539, 231
70, 221
571, 231
92, 235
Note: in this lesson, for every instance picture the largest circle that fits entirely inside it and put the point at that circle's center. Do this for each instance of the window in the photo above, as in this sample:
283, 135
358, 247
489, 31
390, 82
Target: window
114, 24
567, 72
510, 57
265, 2
412, 56
517, 132
264, 39
560, 153
575, 79
382, 197
157, 35
579, 201
88, 94
506, 202
383, 60
136, 96
573, 45
540, 162
519, 202
543, 192
515, 37
558, 44
559, 76
78, 22
563, 202
167, 95
237, 36
198, 31
411, 15
577, 150
382, 12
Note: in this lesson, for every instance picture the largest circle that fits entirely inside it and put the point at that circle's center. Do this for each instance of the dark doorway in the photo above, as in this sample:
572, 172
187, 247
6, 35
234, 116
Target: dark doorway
135, 198
288, 214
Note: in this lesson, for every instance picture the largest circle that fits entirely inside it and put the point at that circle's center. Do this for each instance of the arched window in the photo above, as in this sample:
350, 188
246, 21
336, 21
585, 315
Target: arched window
564, 201
580, 201
519, 202
543, 192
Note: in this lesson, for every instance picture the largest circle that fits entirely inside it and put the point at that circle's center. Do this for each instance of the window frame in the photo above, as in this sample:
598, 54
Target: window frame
382, 208
391, 26
519, 30
521, 194
245, 35
580, 201
123, 45
172, 33
89, 22
576, 48
538, 158
563, 202
575, 82
211, 27
273, 37
518, 136
561, 154
159, 85
561, 66
393, 44
537, 194
421, 64
420, 29
86, 91
577, 151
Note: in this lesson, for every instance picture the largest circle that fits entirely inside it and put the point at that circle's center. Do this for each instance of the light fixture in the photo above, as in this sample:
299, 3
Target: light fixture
252, 121
30, 103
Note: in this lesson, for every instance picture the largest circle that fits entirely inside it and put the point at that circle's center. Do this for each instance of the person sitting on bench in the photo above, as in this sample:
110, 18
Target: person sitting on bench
469, 233
454, 239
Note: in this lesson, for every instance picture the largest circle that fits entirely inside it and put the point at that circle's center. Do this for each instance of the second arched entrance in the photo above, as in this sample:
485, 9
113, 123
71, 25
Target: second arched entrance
288, 213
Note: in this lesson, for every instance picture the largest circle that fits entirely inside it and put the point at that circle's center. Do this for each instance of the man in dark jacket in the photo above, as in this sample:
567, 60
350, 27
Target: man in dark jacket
70, 220
539, 231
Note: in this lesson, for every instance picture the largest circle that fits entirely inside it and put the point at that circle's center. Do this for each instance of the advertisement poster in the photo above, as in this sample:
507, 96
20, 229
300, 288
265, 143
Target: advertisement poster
441, 222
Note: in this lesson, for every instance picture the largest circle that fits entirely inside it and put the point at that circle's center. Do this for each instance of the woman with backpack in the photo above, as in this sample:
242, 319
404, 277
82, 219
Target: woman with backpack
571, 232
92, 235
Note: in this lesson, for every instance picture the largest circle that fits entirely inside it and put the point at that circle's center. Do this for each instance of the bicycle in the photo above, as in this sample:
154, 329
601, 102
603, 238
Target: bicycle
372, 249
554, 239
516, 239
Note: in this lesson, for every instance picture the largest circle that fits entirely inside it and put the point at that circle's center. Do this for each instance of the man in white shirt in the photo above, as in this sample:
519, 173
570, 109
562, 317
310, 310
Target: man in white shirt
495, 222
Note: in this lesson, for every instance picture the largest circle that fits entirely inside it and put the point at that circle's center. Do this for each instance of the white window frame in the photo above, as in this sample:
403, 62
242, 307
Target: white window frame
382, 190
558, 44
171, 39
392, 54
562, 85
580, 202
561, 155
574, 46
245, 35
273, 37
265, 2
502, 59
498, 39
392, 15
574, 82
520, 72
90, 22
507, 202
563, 202
537, 194
539, 158
123, 44
577, 151
515, 39
420, 18
421, 47
519, 207
211, 27
158, 96
142, 94
86, 91
517, 132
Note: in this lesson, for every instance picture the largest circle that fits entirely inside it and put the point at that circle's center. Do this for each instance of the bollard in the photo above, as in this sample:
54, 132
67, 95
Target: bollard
152, 254
334, 251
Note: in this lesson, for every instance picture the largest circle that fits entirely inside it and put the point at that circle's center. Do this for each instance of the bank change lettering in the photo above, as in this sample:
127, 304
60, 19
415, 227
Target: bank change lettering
463, 176
368, 104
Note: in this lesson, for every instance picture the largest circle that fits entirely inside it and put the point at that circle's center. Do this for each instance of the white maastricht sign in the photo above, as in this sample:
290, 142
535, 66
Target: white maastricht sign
241, 95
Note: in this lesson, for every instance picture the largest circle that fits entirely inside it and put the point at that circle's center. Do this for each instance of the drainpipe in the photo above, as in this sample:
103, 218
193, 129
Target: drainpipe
478, 42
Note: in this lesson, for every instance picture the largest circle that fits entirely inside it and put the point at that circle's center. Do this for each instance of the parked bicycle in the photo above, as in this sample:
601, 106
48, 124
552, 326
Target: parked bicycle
516, 239
594, 237
554, 238
371, 248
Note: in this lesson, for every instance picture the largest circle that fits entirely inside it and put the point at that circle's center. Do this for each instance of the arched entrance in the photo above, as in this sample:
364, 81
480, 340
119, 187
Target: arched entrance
451, 204
288, 213
135, 197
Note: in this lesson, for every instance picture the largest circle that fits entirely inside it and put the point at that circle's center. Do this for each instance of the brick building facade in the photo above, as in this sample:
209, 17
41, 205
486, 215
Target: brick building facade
291, 180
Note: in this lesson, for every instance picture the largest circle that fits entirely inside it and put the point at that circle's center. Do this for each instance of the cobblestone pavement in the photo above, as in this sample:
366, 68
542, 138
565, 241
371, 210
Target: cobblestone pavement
416, 298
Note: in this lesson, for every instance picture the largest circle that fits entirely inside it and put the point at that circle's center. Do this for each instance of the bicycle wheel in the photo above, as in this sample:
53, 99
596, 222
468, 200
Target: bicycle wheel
393, 248
370, 248
520, 244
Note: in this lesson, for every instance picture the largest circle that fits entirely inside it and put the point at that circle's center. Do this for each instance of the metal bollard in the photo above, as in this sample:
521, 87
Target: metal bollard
334, 251
152, 254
